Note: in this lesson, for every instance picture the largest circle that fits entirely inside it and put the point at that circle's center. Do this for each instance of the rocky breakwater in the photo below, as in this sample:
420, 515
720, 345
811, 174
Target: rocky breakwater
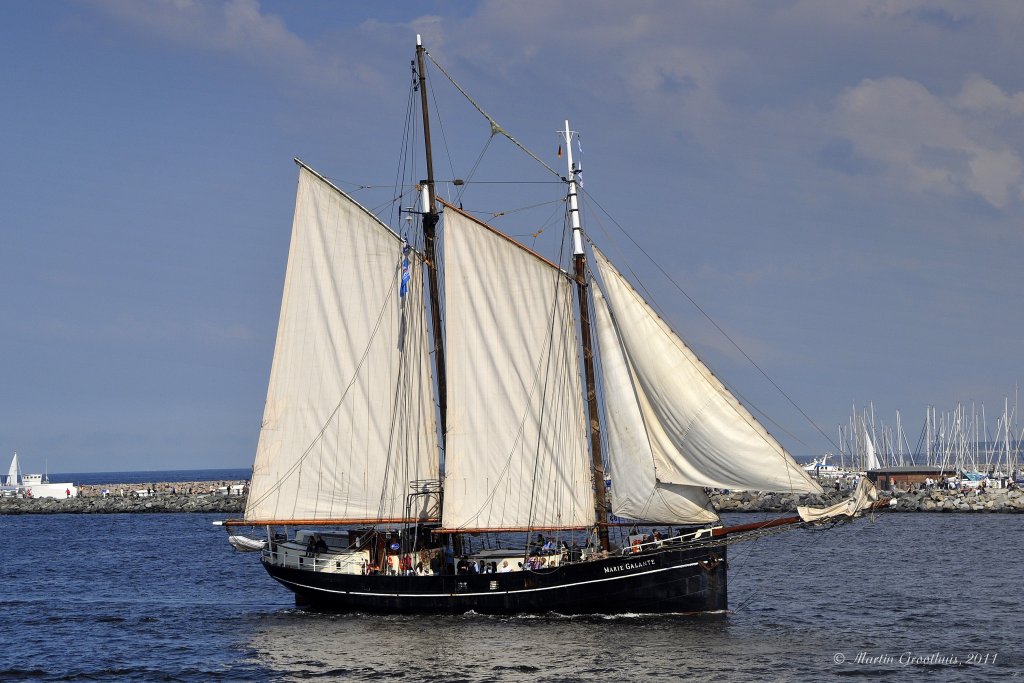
973, 500
922, 500
755, 501
90, 500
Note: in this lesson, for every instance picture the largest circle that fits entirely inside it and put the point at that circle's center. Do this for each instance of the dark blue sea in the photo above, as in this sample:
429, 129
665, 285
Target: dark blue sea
146, 477
162, 597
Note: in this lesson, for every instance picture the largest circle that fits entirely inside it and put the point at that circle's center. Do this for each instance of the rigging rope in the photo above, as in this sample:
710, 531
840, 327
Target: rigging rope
472, 171
716, 325
496, 128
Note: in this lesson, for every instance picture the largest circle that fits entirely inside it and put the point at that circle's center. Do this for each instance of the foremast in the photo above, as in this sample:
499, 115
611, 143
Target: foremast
583, 298
430, 219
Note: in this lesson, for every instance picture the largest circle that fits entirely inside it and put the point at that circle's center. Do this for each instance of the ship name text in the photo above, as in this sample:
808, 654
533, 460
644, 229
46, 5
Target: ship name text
628, 565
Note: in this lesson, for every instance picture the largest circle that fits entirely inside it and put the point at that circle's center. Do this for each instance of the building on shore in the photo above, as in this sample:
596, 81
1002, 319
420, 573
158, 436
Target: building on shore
908, 477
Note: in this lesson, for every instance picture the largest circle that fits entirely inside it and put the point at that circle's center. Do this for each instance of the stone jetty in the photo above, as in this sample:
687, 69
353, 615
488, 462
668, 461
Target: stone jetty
940, 500
189, 496
213, 496
921, 500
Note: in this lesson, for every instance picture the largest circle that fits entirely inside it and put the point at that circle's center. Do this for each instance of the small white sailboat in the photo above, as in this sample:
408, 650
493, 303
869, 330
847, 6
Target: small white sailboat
34, 485
9, 486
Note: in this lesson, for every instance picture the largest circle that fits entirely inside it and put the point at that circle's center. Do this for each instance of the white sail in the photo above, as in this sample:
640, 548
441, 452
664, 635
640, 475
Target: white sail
870, 457
636, 493
699, 433
14, 473
349, 418
860, 500
515, 454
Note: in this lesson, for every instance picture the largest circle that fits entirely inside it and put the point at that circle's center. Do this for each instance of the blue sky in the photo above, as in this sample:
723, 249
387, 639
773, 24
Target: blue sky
840, 186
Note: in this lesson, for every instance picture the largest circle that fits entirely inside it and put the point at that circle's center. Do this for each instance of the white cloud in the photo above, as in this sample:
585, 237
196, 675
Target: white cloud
705, 72
237, 28
931, 143
982, 95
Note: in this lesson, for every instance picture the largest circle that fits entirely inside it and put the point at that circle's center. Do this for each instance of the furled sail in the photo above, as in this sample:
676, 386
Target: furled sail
515, 451
636, 493
698, 432
349, 419
862, 498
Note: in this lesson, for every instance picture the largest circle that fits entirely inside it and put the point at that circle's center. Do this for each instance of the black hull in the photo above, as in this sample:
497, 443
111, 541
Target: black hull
665, 580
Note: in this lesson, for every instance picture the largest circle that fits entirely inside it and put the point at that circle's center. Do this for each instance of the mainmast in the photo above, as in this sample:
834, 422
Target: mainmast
430, 218
583, 296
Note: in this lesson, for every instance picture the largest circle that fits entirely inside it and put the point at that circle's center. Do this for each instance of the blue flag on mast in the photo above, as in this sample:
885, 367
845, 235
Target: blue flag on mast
405, 269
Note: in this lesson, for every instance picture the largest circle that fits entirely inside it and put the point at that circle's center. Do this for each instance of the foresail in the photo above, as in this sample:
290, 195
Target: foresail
636, 493
516, 455
699, 433
349, 417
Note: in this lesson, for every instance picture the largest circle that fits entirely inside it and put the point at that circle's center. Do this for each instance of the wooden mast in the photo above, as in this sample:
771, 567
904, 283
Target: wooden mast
430, 218
583, 296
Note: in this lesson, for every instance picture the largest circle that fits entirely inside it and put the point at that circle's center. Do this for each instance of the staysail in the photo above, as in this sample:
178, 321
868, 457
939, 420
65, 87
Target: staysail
699, 434
515, 455
349, 420
636, 492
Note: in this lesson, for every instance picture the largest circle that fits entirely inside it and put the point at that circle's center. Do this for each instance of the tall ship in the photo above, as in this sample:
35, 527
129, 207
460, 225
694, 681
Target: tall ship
454, 422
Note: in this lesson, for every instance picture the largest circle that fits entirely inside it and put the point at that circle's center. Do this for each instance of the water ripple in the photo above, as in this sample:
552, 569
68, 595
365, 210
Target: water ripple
162, 597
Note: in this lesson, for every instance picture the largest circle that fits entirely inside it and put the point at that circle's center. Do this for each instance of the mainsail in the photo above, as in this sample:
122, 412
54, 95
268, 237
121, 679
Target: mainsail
349, 419
516, 455
698, 433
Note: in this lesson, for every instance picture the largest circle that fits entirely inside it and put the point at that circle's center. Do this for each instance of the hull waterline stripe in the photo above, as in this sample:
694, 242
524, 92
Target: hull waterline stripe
494, 592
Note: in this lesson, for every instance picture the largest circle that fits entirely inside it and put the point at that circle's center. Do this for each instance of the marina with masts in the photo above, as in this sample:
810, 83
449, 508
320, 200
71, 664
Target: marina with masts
966, 438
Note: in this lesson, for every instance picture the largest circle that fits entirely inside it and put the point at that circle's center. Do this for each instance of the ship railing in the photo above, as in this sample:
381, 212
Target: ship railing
325, 561
681, 539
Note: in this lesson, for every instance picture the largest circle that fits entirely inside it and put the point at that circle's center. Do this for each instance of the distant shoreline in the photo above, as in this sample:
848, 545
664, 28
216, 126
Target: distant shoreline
227, 496
124, 478
114, 505
211, 496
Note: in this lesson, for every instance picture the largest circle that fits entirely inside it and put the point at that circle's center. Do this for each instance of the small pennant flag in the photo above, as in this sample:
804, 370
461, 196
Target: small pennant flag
405, 271
559, 151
